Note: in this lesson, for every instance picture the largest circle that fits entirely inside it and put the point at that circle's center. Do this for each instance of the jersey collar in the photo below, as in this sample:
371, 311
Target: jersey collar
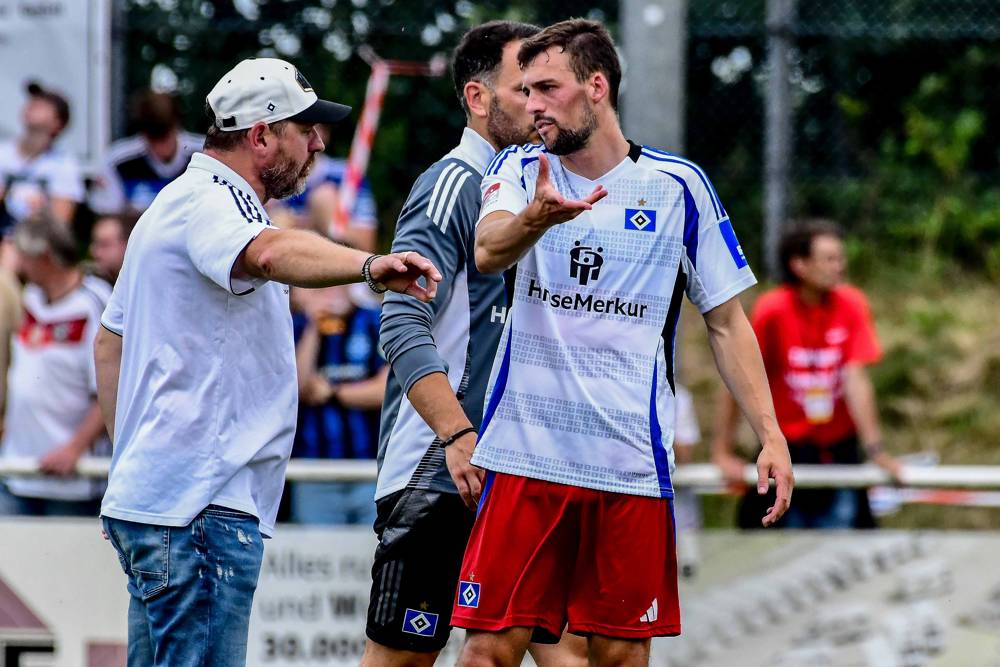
475, 151
217, 168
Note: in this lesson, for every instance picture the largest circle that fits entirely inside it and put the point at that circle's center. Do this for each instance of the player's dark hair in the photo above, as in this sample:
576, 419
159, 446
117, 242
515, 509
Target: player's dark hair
797, 243
57, 101
155, 114
224, 142
126, 221
588, 45
480, 52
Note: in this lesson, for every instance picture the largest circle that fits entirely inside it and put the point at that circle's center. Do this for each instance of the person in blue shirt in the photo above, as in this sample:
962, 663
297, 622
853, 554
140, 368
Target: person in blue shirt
342, 377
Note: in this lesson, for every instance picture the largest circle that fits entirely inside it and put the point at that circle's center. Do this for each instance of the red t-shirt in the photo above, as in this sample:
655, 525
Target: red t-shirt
805, 348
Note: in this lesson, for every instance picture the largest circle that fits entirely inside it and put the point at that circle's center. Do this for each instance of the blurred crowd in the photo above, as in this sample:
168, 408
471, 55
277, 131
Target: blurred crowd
64, 233
64, 236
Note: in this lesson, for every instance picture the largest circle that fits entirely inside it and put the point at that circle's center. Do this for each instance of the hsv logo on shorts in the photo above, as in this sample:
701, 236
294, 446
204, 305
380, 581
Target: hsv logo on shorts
422, 623
468, 594
640, 219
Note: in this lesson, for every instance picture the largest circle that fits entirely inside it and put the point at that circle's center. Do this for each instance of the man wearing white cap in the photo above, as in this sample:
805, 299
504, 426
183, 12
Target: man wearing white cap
196, 366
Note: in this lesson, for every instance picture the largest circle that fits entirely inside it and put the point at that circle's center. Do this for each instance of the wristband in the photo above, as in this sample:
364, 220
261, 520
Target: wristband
455, 436
366, 273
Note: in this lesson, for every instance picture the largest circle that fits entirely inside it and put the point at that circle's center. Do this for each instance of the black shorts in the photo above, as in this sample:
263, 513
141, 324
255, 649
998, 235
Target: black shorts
422, 537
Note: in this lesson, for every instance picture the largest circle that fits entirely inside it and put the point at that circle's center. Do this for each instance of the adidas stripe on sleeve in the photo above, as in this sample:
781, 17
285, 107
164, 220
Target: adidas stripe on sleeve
219, 232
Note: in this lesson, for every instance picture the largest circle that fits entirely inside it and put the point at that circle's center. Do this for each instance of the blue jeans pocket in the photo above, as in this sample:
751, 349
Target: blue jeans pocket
144, 553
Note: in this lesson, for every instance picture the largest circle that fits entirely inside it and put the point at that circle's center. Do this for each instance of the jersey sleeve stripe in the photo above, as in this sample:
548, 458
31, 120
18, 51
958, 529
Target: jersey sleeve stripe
454, 199
251, 206
236, 198
663, 157
498, 161
438, 185
447, 192
691, 220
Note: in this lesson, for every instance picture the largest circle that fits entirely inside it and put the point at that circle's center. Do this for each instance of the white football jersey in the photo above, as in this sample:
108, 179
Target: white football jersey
582, 387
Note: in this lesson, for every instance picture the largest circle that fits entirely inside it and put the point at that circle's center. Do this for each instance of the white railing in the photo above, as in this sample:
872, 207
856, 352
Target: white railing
701, 476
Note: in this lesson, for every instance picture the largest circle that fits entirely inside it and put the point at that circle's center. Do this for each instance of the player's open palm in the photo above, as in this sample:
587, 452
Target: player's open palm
401, 272
549, 207
467, 477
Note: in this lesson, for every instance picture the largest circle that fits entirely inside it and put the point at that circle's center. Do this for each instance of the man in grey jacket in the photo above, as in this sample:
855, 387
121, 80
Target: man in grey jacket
440, 354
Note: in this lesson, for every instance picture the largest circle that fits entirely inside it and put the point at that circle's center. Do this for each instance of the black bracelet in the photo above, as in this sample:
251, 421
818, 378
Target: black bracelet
455, 436
366, 273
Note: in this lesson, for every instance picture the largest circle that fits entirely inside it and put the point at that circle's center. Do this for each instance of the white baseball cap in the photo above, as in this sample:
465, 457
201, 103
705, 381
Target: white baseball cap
268, 90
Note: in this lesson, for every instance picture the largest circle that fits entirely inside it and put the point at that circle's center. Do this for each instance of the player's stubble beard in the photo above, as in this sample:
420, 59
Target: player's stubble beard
571, 140
285, 178
503, 128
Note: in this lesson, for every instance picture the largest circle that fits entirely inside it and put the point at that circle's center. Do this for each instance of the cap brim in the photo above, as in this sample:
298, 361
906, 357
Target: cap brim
322, 111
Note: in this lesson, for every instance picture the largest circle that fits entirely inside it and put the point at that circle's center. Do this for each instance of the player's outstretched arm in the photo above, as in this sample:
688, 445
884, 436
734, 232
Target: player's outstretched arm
304, 259
502, 238
737, 356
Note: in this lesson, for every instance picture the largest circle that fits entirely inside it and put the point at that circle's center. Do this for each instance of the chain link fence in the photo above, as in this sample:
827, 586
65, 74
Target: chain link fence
893, 133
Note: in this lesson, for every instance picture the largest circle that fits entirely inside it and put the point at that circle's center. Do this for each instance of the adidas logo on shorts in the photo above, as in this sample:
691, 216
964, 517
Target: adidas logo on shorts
651, 614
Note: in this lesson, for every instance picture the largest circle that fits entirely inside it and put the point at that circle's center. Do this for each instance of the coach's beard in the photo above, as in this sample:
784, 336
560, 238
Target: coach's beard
570, 141
504, 130
285, 179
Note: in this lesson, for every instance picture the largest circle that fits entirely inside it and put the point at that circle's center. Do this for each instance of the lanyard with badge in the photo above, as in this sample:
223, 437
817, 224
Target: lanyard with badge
817, 397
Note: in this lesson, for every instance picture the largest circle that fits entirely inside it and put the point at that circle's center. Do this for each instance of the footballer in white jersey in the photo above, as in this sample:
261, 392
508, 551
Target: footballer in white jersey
607, 237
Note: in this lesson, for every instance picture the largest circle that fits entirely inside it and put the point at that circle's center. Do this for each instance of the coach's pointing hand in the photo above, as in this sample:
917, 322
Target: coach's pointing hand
401, 272
549, 207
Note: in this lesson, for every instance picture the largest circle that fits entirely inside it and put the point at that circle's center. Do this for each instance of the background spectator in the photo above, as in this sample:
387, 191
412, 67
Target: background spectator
33, 173
10, 320
316, 207
816, 337
139, 166
342, 379
108, 240
52, 413
687, 510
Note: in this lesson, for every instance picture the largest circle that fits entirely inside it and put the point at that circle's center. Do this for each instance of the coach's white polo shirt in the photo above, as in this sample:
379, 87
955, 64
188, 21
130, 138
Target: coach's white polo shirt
207, 397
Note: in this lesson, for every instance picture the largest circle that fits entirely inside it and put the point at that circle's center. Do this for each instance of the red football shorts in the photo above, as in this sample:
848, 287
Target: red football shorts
552, 556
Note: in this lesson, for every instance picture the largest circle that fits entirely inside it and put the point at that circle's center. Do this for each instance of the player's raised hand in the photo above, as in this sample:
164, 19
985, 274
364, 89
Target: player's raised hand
775, 463
401, 272
549, 207
467, 477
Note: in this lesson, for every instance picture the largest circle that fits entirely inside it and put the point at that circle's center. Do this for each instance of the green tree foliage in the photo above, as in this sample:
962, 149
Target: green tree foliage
187, 45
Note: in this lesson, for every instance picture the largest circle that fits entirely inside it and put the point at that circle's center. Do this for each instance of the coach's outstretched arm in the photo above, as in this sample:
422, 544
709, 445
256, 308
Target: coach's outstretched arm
502, 238
305, 259
737, 356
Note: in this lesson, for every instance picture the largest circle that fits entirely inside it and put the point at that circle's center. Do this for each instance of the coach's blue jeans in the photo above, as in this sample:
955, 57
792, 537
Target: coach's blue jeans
191, 587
